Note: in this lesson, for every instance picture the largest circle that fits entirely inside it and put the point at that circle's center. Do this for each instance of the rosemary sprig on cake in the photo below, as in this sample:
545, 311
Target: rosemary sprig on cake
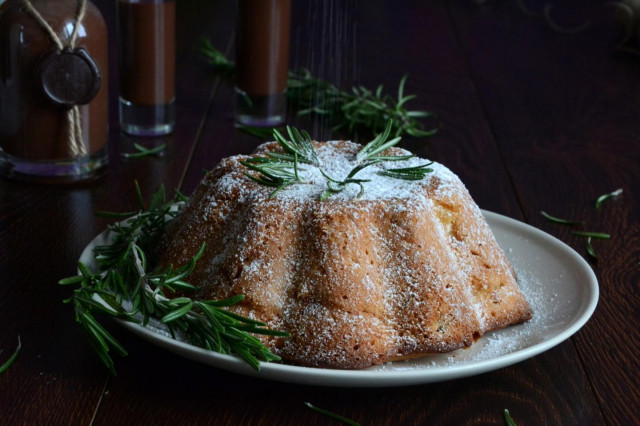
273, 172
379, 144
280, 169
126, 287
335, 186
357, 108
299, 146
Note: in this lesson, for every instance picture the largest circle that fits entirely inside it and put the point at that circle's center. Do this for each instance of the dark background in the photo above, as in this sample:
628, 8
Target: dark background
531, 117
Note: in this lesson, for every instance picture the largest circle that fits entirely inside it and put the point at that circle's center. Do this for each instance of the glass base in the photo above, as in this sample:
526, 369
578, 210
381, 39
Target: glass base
262, 111
155, 120
54, 171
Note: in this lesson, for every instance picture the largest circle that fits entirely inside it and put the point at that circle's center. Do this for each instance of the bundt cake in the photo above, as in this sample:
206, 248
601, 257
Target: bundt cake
360, 268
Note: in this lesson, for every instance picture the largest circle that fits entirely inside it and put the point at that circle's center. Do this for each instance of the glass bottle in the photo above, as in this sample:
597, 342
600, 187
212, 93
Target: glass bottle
53, 98
146, 62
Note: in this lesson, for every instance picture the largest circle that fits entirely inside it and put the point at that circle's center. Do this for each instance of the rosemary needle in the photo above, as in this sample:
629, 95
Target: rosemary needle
590, 251
559, 220
605, 197
13, 357
262, 133
334, 416
507, 419
143, 151
598, 235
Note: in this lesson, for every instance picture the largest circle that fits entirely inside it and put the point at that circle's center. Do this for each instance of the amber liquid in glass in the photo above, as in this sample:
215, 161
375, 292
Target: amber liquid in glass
262, 61
146, 58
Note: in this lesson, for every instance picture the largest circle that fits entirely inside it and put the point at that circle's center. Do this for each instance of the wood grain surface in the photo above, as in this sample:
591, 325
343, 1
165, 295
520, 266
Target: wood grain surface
530, 117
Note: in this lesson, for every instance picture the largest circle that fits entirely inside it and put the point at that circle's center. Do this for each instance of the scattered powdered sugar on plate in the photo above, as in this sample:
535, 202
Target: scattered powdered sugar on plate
510, 339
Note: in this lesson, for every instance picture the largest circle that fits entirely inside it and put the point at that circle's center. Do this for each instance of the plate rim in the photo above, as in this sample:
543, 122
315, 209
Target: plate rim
314, 376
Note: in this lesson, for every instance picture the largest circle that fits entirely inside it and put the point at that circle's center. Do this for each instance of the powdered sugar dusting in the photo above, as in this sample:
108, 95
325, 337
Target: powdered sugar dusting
497, 343
408, 267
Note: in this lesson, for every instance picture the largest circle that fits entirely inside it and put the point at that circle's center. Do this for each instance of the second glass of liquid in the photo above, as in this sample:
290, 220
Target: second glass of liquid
146, 57
262, 58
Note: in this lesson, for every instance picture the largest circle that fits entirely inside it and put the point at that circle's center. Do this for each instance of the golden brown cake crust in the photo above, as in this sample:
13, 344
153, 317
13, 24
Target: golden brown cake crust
410, 268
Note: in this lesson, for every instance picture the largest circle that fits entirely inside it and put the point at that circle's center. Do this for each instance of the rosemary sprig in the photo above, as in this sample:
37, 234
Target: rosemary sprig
590, 251
216, 58
300, 145
379, 144
273, 172
335, 186
125, 287
142, 151
605, 197
12, 358
332, 415
369, 154
280, 169
357, 108
559, 220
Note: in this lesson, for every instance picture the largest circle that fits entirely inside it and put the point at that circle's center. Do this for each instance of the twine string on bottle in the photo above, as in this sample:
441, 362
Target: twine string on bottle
76, 144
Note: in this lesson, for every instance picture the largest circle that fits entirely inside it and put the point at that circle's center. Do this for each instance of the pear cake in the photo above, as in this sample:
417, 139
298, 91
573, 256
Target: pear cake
376, 270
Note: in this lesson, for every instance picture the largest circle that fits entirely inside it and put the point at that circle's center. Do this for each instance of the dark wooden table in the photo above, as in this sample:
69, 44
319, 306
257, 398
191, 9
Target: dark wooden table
531, 118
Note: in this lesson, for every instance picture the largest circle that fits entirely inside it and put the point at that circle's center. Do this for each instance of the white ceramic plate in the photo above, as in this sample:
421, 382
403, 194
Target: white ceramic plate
557, 281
